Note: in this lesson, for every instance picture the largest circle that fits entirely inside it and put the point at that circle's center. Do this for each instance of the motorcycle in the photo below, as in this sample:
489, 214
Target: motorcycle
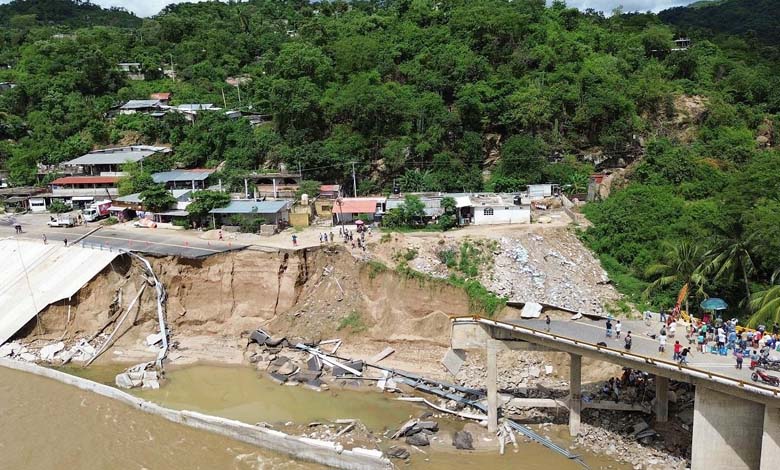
766, 378
769, 364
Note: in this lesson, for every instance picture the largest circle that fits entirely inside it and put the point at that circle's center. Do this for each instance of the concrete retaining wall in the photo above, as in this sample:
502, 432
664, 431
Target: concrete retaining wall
301, 448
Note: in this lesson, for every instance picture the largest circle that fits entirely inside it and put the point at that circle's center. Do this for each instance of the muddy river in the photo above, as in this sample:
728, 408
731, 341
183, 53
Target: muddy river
47, 424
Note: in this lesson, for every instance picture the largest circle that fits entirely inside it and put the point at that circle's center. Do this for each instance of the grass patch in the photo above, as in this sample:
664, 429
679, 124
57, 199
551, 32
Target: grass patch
353, 321
386, 237
481, 300
375, 268
626, 283
110, 221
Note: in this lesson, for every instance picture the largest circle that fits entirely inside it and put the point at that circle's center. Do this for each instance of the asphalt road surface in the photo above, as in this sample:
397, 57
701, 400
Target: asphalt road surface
594, 331
142, 240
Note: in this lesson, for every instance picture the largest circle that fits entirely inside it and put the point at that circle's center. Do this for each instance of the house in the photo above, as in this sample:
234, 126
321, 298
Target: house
153, 107
491, 209
6, 86
681, 44
541, 191
323, 204
193, 179
432, 202
108, 162
350, 209
79, 191
275, 213
163, 98
275, 185
190, 111
21, 198
133, 203
132, 70
330, 191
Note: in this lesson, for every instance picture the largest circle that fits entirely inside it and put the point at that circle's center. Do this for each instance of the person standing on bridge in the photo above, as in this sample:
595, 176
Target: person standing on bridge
609, 328
684, 356
738, 354
677, 349
662, 342
628, 341
547, 322
618, 327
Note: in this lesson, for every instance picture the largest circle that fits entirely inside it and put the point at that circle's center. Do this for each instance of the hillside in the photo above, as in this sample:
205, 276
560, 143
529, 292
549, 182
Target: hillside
757, 19
70, 13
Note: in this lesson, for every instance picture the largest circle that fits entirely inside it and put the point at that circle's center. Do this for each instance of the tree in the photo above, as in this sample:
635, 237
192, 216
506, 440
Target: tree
136, 179
449, 218
681, 265
58, 207
204, 201
765, 304
157, 198
309, 187
731, 260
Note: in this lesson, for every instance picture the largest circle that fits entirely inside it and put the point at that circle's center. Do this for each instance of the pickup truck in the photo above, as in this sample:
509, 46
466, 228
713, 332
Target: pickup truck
61, 220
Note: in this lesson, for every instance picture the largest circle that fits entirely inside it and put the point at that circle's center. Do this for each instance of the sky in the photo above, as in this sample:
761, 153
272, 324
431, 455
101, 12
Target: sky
151, 7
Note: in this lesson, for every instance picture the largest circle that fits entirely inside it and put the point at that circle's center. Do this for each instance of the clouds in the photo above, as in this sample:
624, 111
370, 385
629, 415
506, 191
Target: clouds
152, 7
628, 5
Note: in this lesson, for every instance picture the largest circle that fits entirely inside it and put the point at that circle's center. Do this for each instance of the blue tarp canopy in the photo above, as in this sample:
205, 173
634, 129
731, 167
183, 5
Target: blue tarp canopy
714, 303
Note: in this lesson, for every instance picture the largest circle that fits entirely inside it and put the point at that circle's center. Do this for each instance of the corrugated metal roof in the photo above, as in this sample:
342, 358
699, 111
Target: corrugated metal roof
135, 198
85, 180
357, 206
117, 156
182, 175
141, 104
249, 207
327, 188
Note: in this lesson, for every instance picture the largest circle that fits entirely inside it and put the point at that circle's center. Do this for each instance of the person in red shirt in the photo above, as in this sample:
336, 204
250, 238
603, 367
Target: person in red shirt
677, 349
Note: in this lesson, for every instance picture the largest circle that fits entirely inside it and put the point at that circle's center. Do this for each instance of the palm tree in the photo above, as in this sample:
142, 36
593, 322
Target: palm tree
681, 263
730, 261
765, 304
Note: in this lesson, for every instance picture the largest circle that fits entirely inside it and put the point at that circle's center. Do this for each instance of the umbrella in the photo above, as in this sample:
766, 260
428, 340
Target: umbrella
714, 303
359, 222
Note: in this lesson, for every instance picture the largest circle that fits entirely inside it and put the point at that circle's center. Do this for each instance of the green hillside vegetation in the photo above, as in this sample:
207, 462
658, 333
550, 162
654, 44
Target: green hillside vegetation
446, 95
23, 14
755, 19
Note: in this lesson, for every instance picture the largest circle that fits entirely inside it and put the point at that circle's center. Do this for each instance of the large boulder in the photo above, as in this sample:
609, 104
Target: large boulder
420, 440
463, 440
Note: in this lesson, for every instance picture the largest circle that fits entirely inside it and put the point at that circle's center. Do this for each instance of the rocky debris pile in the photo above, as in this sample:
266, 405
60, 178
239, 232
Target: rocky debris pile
292, 366
555, 269
346, 432
55, 353
522, 373
647, 452
416, 432
142, 375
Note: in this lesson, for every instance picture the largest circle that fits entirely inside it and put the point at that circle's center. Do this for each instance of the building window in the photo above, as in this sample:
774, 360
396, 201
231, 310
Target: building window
487, 211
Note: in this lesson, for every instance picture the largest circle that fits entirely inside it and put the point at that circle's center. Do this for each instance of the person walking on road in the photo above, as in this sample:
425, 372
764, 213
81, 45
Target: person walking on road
45, 242
628, 341
609, 328
740, 357
662, 342
677, 349
618, 327
65, 241
295, 239
547, 322
684, 356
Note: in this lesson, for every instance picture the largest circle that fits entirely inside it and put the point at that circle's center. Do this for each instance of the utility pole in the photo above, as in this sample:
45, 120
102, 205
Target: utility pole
354, 181
173, 69
224, 101
238, 87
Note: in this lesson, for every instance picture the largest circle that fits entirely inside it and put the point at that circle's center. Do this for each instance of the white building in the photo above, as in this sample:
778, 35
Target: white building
491, 209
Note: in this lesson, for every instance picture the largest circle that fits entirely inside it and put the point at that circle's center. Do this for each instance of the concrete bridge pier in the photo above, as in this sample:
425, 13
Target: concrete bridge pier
491, 348
728, 432
575, 393
661, 399
770, 442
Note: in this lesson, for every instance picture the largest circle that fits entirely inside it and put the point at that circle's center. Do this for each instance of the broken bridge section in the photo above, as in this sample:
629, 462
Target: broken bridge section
35, 275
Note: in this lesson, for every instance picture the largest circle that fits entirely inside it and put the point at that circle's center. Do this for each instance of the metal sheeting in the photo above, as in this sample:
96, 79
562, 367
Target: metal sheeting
35, 275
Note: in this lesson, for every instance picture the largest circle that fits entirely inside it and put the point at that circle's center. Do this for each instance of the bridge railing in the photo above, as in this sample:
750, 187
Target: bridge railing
661, 363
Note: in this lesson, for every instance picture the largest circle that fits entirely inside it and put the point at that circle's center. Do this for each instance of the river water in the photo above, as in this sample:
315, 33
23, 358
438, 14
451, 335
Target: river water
54, 425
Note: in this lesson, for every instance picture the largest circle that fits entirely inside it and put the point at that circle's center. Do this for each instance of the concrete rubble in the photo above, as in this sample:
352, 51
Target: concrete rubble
142, 375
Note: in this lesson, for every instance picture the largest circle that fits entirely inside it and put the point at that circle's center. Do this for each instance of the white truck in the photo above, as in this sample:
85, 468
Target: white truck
61, 220
97, 210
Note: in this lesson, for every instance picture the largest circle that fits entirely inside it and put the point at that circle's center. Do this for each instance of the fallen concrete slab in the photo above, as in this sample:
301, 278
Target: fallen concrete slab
35, 275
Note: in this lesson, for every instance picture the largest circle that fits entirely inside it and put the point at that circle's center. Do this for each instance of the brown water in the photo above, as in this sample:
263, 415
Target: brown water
47, 425
232, 392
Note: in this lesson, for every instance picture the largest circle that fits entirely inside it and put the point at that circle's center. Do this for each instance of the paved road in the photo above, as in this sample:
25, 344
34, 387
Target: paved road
594, 331
143, 240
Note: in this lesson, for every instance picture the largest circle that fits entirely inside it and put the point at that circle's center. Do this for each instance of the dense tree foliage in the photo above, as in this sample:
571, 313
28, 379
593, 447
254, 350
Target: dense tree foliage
452, 95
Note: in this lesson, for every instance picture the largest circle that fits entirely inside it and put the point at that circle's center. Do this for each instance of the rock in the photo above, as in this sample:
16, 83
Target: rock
280, 361
274, 343
534, 372
154, 338
463, 440
150, 375
357, 365
398, 453
287, 368
259, 337
151, 385
10, 349
48, 352
639, 427
278, 378
428, 425
419, 440
314, 364
123, 381
29, 357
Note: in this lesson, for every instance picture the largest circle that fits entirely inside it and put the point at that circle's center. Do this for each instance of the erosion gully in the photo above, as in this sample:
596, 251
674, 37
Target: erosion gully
52, 425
